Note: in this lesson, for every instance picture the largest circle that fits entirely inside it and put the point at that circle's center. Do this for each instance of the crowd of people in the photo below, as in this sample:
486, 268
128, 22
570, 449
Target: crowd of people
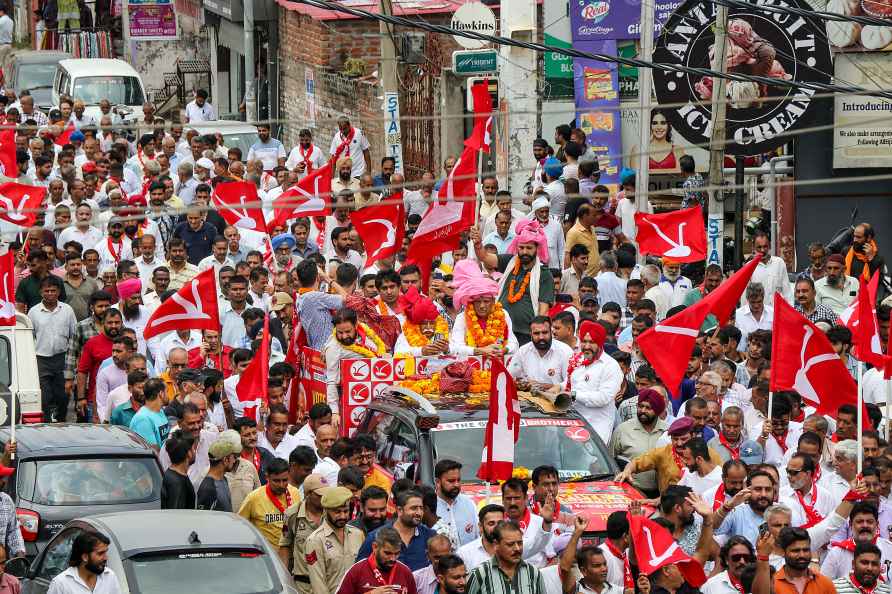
767, 500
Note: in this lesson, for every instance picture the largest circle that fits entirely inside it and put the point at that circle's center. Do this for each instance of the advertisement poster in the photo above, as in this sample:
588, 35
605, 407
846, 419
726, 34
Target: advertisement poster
761, 117
863, 124
614, 19
152, 21
630, 118
596, 86
846, 36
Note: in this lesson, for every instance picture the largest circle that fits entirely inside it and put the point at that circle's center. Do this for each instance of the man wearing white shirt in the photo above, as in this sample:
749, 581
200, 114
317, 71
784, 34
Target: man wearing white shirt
326, 435
554, 231
268, 150
186, 183
542, 361
611, 287
199, 109
809, 504
115, 247
185, 339
703, 474
779, 434
836, 289
89, 573
306, 156
457, 509
481, 550
218, 258
596, 378
82, 231
537, 529
736, 554
771, 270
755, 315
320, 414
356, 146
276, 439
674, 286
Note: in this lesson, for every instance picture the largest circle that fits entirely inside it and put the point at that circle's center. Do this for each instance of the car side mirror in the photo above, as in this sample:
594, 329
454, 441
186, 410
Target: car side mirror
17, 567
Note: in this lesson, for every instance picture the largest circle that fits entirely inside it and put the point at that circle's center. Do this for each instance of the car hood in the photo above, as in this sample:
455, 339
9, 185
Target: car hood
594, 500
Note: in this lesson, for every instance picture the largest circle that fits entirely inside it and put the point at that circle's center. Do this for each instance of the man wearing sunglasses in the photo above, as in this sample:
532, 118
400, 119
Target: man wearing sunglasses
735, 554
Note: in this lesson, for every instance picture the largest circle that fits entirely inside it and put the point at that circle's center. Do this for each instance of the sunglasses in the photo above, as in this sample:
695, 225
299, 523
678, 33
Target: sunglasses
741, 558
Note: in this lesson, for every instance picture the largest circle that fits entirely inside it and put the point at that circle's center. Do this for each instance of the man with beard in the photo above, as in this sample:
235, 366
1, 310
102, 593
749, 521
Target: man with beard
373, 509
735, 554
54, 325
733, 518
301, 520
412, 533
796, 575
95, 351
181, 271
730, 443
596, 378
865, 575
526, 288
454, 507
864, 529
306, 156
116, 247
451, 575
542, 362
703, 474
639, 435
482, 549
777, 434
87, 567
136, 315
351, 142
536, 527
733, 479
387, 282
331, 549
863, 258
808, 503
368, 574
77, 287
265, 507
344, 179
836, 290
593, 566
675, 287
124, 412
507, 562
211, 354
114, 375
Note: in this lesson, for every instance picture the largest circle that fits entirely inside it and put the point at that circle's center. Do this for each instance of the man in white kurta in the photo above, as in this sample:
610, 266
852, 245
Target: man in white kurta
542, 361
596, 378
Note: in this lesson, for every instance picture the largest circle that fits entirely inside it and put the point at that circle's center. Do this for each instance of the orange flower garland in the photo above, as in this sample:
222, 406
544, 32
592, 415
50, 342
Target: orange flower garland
515, 297
414, 336
496, 327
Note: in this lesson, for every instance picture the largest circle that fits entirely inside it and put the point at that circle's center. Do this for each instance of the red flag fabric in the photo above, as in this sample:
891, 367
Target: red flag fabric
194, 306
252, 387
447, 217
863, 307
382, 228
655, 548
803, 360
65, 137
310, 197
8, 166
502, 427
7, 289
481, 136
238, 203
669, 344
679, 235
19, 203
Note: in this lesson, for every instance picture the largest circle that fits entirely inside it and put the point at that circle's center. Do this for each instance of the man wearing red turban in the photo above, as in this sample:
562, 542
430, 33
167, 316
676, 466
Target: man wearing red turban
424, 331
596, 378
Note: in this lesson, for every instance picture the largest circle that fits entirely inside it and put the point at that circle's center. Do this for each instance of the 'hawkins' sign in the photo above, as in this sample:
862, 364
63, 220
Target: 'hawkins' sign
759, 117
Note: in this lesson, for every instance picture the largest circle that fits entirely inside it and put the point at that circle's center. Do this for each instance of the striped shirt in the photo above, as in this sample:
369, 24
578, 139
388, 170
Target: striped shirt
845, 586
488, 578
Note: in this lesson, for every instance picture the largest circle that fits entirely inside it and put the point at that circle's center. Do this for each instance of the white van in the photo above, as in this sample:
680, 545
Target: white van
94, 79
19, 375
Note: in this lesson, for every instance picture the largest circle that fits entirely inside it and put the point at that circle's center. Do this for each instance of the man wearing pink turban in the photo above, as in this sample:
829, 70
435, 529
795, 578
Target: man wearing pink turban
475, 294
526, 288
135, 313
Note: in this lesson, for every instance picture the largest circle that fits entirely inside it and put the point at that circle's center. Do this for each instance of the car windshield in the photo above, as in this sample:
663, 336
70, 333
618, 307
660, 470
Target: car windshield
240, 140
204, 572
35, 76
91, 481
119, 90
565, 444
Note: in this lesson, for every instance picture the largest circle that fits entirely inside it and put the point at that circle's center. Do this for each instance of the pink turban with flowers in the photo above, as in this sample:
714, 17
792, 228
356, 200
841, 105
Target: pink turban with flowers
470, 283
530, 231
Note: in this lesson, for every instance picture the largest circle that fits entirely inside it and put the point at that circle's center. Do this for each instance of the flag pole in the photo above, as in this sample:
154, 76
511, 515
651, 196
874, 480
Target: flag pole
861, 416
479, 184
888, 383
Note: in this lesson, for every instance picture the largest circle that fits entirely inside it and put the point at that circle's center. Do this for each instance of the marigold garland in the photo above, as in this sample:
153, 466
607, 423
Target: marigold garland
304, 290
416, 338
515, 297
380, 347
496, 327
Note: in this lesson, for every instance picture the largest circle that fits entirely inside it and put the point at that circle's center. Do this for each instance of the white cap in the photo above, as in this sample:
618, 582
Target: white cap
205, 163
540, 202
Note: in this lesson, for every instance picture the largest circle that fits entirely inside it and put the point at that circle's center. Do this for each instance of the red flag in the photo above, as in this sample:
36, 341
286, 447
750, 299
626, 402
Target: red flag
310, 197
19, 203
252, 388
804, 360
382, 228
481, 136
7, 289
239, 204
8, 166
679, 235
655, 548
503, 426
860, 317
447, 217
65, 137
669, 344
193, 306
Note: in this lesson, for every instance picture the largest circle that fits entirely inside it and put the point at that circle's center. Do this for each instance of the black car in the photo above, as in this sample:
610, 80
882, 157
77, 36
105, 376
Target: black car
65, 471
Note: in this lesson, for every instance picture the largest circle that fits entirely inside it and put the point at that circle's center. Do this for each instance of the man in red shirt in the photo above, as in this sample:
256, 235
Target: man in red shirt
607, 227
211, 353
381, 568
95, 351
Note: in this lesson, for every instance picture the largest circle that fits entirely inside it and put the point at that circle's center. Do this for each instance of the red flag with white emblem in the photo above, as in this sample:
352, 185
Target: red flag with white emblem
804, 360
7, 289
860, 317
655, 548
65, 137
679, 235
502, 427
252, 388
238, 203
310, 197
382, 228
194, 306
19, 203
8, 166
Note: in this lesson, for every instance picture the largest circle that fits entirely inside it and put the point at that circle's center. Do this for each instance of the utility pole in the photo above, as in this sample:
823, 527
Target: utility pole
250, 90
645, 86
390, 84
715, 227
